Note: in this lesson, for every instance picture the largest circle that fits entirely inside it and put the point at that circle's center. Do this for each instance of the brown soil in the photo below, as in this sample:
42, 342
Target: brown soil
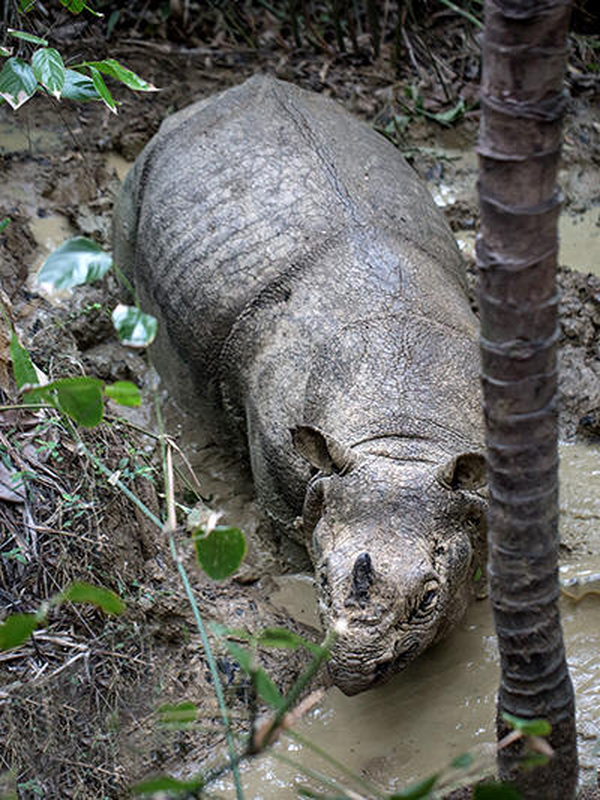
78, 702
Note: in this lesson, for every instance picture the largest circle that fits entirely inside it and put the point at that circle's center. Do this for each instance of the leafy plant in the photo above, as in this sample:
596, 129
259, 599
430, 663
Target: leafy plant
80, 260
17, 628
46, 72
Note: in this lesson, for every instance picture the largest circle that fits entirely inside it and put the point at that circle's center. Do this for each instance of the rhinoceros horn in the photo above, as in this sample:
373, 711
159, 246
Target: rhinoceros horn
362, 578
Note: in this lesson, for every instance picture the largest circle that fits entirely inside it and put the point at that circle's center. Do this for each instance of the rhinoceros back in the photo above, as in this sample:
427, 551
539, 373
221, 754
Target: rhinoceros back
268, 229
236, 188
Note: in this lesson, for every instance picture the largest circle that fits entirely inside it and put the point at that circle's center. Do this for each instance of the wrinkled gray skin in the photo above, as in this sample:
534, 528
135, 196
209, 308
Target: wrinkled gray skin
312, 299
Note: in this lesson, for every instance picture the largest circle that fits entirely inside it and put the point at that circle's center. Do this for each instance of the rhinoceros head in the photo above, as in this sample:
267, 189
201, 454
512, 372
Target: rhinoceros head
396, 547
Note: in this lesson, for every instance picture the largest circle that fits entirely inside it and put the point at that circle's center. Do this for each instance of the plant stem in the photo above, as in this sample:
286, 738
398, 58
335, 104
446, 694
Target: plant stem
169, 527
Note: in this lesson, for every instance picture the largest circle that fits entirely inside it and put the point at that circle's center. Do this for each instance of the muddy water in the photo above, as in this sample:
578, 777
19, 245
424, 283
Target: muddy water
579, 226
444, 704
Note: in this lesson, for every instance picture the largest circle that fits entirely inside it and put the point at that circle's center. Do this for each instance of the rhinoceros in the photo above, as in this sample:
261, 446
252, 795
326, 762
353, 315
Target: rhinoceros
312, 302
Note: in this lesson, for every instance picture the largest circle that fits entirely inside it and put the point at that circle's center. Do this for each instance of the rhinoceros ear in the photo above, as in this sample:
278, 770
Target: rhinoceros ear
466, 471
321, 450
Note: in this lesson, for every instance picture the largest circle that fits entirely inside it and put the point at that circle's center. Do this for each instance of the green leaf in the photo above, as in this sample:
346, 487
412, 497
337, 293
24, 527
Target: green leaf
23, 369
221, 552
49, 69
123, 392
280, 637
78, 260
102, 90
528, 727
495, 791
267, 690
111, 67
27, 37
417, 790
4, 224
450, 116
40, 394
133, 327
164, 783
463, 761
79, 87
26, 5
17, 82
178, 715
16, 629
102, 598
533, 760
80, 399
6, 52
74, 6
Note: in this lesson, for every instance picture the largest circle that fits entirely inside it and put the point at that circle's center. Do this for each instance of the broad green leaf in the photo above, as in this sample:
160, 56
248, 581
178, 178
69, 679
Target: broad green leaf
40, 394
78, 260
27, 37
77, 6
23, 369
102, 90
495, 791
180, 715
419, 790
74, 6
242, 656
49, 69
164, 783
80, 399
4, 224
221, 552
528, 727
123, 392
111, 67
104, 599
267, 690
463, 761
280, 637
17, 82
79, 87
6, 52
16, 629
133, 327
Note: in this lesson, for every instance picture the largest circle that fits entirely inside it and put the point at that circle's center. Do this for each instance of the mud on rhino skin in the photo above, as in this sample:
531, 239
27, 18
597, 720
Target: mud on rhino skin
312, 299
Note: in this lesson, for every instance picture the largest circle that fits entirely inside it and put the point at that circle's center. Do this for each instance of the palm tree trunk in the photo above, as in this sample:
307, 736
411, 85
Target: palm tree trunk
524, 54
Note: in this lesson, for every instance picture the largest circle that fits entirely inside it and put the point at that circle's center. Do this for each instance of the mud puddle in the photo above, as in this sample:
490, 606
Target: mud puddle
452, 182
444, 704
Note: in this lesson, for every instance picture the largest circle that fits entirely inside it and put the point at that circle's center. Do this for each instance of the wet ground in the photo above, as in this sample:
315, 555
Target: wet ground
444, 704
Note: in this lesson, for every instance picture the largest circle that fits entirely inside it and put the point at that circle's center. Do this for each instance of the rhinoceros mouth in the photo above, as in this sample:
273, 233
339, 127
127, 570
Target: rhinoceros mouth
351, 674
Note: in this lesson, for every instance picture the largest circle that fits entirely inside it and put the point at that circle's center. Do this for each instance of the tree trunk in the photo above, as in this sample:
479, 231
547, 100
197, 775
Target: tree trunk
524, 54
